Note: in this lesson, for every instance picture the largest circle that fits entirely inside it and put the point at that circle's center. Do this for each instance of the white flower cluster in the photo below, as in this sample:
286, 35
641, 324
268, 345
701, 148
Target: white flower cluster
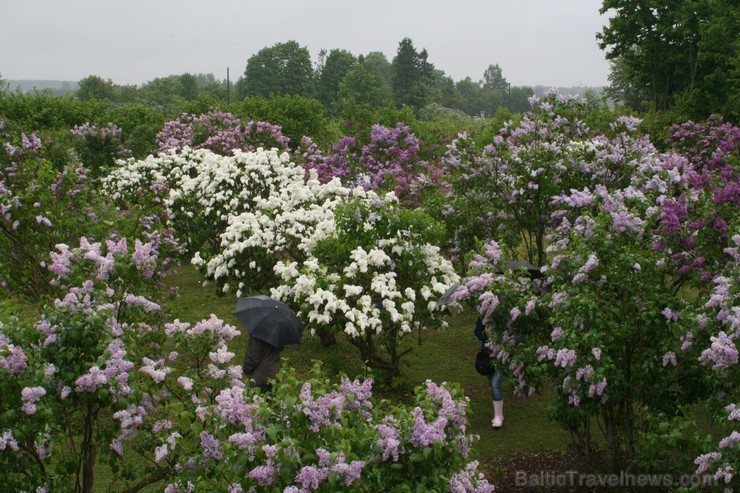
363, 293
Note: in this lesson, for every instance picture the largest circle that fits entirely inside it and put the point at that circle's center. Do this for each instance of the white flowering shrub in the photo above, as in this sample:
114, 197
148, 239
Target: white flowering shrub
202, 190
376, 277
282, 226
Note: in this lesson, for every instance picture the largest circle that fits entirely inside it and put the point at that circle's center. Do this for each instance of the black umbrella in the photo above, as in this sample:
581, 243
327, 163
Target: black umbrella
269, 320
517, 265
446, 298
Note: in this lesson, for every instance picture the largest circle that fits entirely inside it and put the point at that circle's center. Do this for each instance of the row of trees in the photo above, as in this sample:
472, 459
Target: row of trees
340, 80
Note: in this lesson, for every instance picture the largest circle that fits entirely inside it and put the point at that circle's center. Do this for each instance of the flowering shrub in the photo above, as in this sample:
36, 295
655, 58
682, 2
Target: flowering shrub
610, 326
219, 132
201, 190
104, 374
99, 147
695, 223
283, 226
315, 435
91, 376
505, 190
39, 207
389, 162
375, 277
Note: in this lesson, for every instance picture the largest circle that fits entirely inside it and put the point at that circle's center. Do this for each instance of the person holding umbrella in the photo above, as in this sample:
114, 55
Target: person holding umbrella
261, 363
271, 325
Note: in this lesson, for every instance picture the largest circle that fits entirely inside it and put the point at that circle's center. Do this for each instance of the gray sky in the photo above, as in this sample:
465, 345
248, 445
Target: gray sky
536, 42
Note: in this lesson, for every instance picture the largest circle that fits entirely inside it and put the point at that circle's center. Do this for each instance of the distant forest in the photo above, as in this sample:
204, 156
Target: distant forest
344, 83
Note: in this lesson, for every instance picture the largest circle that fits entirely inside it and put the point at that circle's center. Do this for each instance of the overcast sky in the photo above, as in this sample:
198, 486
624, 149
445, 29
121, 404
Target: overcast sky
536, 42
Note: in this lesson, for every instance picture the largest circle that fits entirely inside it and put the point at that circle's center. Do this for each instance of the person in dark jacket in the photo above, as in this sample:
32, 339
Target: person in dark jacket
261, 363
494, 380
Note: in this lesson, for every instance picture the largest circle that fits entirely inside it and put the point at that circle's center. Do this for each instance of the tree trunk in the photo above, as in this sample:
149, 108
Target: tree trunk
89, 450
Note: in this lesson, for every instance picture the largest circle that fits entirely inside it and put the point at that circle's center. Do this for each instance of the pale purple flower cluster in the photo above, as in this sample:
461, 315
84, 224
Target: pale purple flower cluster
469, 480
155, 369
565, 358
30, 142
325, 410
359, 394
705, 461
30, 396
211, 447
597, 389
423, 433
12, 357
263, 474
723, 352
389, 439
7, 441
670, 358
93, 380
450, 416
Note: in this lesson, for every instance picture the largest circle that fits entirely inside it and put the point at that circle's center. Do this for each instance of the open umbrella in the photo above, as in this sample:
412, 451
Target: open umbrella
269, 320
517, 265
446, 298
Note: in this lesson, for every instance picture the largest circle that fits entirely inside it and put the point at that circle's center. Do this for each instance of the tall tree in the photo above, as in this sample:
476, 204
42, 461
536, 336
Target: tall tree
493, 78
336, 66
412, 75
673, 48
471, 101
377, 63
284, 68
361, 86
95, 87
189, 86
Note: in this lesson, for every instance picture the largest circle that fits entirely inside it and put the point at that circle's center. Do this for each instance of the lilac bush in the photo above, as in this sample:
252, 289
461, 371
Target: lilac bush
389, 162
98, 147
314, 435
627, 334
219, 132
505, 189
103, 376
373, 273
39, 207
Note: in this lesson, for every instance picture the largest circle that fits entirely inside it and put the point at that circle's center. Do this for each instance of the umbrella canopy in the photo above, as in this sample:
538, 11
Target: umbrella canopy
533, 271
446, 298
269, 320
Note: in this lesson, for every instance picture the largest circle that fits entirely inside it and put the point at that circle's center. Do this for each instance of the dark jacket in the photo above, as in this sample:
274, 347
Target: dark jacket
481, 334
262, 361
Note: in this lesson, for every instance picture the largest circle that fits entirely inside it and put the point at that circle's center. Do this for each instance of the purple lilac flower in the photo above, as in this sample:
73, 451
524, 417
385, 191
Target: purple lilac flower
730, 441
565, 357
211, 446
30, 396
705, 461
722, 354
388, 441
13, 359
670, 357
8, 441
311, 478
463, 481
91, 381
556, 334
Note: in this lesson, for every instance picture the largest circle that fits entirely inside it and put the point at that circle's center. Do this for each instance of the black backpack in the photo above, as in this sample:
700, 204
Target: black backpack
484, 363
